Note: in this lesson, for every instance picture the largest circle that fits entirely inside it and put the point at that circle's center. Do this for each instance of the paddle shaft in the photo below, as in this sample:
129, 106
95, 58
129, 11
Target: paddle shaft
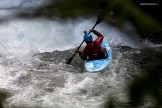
83, 40
99, 19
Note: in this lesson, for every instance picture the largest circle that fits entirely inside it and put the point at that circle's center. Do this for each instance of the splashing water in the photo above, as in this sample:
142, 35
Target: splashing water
37, 77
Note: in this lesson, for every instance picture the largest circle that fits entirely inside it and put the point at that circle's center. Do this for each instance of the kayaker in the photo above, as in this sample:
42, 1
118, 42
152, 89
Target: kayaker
93, 49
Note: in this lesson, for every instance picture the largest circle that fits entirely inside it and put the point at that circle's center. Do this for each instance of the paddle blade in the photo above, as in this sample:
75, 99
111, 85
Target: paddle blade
69, 60
100, 18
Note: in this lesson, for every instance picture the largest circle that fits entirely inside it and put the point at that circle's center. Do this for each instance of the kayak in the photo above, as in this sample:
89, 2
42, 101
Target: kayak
101, 64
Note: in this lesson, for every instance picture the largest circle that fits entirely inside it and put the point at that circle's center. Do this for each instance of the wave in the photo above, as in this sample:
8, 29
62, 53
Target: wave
49, 35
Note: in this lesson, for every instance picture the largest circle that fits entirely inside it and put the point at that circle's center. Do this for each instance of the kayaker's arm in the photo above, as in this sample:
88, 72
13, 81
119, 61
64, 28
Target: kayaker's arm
99, 39
100, 36
96, 33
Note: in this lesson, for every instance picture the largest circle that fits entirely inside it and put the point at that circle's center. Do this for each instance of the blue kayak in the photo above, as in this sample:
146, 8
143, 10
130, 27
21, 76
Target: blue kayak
98, 65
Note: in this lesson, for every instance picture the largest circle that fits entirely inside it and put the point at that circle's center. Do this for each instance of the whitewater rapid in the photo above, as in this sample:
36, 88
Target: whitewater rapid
52, 35
33, 70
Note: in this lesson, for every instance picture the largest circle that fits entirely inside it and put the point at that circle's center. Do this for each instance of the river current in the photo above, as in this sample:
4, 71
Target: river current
33, 70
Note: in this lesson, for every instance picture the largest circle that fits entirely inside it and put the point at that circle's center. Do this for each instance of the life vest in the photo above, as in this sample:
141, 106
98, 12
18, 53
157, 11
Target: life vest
94, 53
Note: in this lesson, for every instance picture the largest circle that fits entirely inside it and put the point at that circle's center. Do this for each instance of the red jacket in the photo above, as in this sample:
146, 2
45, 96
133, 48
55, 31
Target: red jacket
93, 50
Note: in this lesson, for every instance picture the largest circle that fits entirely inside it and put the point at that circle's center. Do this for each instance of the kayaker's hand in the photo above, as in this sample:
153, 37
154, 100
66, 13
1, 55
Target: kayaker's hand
92, 30
85, 32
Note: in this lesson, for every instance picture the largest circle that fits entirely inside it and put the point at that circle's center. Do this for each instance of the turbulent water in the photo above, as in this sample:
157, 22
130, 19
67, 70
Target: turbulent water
33, 70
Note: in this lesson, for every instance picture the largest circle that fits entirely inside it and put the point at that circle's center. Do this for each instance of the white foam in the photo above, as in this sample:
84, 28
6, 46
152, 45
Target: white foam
52, 35
21, 39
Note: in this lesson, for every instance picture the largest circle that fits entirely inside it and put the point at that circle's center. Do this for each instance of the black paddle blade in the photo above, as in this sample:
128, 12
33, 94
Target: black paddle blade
100, 18
69, 60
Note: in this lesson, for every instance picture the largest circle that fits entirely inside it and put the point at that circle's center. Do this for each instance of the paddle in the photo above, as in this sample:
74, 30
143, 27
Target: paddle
99, 19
